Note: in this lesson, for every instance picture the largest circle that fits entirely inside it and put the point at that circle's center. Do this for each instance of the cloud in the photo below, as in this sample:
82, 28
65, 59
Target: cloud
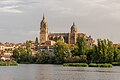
104, 4
82, 6
56, 6
10, 9
10, 6
13, 6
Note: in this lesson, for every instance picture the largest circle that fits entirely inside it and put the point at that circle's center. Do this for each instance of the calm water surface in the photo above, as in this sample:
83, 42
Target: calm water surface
57, 72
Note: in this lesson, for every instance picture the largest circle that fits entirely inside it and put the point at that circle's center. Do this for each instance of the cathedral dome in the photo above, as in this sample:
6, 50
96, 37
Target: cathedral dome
73, 28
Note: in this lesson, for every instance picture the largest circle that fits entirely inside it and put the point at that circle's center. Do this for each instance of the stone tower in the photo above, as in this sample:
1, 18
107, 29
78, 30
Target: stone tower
73, 28
43, 31
73, 34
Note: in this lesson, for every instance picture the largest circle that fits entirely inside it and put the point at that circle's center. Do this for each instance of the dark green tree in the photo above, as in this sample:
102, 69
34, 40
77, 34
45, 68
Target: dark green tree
60, 50
36, 44
82, 48
16, 54
104, 51
110, 51
82, 45
23, 55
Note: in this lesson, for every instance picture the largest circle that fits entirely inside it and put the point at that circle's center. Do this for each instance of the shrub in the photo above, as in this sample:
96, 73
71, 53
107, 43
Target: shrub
100, 65
116, 63
76, 64
13, 63
93, 65
83, 58
8, 63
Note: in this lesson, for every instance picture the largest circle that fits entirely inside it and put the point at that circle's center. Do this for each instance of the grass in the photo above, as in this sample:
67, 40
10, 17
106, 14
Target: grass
8, 63
106, 65
116, 63
76, 64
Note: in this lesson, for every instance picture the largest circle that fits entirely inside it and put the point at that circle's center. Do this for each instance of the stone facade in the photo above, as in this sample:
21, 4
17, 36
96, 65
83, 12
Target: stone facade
43, 31
69, 38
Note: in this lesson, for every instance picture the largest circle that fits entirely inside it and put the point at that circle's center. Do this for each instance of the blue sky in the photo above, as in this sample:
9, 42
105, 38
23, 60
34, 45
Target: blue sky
20, 19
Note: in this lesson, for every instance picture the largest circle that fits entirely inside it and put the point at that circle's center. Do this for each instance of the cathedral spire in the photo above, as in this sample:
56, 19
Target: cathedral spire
43, 16
44, 19
43, 30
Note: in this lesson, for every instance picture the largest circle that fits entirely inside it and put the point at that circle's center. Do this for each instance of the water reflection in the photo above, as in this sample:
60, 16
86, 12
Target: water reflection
57, 72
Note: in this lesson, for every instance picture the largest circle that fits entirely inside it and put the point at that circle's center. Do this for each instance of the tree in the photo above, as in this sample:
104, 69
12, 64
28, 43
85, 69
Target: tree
19, 54
116, 54
44, 58
60, 50
82, 45
16, 54
74, 50
110, 51
82, 48
36, 43
104, 51
23, 55
91, 54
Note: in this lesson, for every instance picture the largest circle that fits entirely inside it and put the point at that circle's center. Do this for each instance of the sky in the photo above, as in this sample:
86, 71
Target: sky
20, 19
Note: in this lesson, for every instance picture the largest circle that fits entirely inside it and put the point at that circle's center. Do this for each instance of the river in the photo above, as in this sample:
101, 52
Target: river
57, 72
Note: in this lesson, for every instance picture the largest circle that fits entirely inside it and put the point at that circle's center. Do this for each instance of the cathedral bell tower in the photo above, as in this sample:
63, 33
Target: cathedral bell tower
43, 31
73, 34
73, 28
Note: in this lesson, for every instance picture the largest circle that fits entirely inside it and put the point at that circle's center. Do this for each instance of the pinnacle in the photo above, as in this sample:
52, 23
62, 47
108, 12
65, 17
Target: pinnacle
43, 17
73, 23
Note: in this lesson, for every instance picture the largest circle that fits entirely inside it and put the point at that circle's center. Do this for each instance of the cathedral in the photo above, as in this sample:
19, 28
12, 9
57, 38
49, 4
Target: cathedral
47, 39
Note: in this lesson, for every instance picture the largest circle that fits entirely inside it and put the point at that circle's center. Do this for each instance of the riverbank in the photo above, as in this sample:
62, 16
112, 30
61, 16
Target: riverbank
8, 63
106, 65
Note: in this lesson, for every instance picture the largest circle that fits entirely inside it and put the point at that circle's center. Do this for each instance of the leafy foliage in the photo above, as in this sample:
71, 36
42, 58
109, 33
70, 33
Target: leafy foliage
60, 50
103, 52
82, 45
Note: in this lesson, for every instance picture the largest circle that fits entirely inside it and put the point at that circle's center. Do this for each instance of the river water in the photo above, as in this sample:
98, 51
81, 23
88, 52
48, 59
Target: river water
57, 72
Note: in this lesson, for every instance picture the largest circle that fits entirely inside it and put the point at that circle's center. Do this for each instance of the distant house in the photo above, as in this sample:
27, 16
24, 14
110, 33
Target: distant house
7, 46
1, 46
1, 51
116, 45
6, 56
